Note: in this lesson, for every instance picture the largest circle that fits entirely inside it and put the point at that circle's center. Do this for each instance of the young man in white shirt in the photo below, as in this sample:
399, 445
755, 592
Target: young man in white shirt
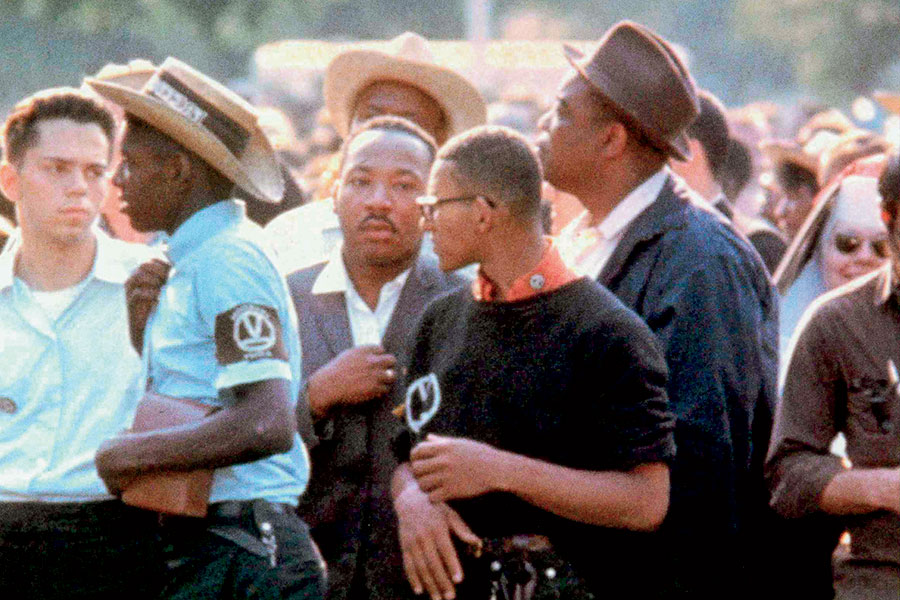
70, 378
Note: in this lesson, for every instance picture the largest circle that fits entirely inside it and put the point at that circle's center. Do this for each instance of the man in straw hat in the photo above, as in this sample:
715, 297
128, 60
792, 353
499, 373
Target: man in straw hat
362, 82
70, 378
842, 377
224, 332
699, 286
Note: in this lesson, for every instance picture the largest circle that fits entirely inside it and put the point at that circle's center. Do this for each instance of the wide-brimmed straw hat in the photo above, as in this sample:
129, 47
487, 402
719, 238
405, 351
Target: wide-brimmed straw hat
206, 118
135, 74
644, 80
407, 59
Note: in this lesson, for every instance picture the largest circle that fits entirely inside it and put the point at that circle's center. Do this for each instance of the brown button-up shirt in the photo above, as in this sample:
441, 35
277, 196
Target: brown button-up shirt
840, 379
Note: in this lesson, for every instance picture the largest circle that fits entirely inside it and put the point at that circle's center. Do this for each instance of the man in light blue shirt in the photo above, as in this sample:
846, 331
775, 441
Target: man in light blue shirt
70, 378
224, 333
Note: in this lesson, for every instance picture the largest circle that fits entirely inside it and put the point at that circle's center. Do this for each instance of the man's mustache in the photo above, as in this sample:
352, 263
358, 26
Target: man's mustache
377, 219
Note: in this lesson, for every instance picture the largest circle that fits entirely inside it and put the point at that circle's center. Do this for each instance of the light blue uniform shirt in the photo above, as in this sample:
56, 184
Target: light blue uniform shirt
225, 318
66, 385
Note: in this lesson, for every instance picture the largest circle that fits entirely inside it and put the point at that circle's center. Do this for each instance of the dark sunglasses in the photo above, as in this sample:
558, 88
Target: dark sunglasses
850, 244
428, 204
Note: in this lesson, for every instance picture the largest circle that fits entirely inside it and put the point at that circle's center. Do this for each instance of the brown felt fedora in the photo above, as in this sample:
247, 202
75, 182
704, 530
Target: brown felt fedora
643, 79
206, 118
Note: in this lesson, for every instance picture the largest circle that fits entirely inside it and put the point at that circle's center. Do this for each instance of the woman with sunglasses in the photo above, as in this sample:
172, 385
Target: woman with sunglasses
843, 238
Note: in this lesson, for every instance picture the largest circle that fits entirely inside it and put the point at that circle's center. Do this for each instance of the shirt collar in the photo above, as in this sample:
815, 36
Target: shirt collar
636, 202
202, 225
7, 266
333, 278
550, 273
108, 264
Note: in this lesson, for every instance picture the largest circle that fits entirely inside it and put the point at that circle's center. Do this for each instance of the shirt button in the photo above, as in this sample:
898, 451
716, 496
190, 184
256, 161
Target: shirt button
537, 281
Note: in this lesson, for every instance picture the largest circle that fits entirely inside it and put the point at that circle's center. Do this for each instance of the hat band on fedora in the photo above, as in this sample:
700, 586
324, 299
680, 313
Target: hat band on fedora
185, 102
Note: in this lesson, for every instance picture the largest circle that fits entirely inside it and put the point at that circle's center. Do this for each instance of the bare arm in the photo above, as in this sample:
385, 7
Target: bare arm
259, 424
425, 527
861, 491
450, 468
636, 499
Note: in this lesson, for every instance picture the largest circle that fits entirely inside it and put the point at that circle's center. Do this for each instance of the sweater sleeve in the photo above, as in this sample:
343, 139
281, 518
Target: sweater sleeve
799, 465
632, 407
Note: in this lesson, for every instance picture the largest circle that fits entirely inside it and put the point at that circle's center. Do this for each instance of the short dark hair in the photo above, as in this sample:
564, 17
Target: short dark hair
791, 176
501, 163
889, 185
737, 169
710, 129
389, 123
20, 130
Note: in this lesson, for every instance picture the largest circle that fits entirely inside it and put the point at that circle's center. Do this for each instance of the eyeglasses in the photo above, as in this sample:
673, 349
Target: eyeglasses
428, 204
850, 244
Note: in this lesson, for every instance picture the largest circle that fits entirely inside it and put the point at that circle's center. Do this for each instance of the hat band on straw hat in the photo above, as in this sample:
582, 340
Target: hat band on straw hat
185, 102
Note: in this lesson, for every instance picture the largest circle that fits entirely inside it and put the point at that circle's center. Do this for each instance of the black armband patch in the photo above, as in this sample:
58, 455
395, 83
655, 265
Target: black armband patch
249, 332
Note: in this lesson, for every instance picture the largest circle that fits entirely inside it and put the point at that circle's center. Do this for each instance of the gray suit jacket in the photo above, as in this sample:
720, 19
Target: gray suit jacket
347, 503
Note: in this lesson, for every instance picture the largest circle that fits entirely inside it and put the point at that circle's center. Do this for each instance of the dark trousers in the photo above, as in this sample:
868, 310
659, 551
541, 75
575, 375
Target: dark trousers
95, 550
223, 556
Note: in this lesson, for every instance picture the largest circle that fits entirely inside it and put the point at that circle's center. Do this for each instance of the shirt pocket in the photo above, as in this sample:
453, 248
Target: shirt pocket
872, 428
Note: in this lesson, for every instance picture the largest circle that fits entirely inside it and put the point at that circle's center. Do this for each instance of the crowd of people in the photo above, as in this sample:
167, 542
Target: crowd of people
632, 344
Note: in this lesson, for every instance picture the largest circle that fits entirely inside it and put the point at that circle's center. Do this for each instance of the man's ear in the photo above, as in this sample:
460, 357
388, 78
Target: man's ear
179, 169
487, 216
9, 181
613, 139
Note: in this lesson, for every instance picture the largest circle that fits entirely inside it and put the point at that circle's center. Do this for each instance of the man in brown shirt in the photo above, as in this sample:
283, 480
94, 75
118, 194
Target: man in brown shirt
843, 377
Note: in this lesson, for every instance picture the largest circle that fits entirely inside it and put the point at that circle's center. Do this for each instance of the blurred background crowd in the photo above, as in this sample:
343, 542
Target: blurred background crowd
773, 65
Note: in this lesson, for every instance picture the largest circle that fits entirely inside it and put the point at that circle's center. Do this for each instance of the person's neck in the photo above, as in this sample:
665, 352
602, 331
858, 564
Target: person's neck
198, 199
368, 278
607, 190
517, 254
708, 189
48, 266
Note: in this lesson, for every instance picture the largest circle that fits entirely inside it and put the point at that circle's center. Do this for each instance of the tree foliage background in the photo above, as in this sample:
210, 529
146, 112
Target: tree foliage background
743, 50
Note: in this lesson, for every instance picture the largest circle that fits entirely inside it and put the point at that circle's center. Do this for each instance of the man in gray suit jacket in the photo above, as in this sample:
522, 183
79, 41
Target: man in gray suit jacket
356, 313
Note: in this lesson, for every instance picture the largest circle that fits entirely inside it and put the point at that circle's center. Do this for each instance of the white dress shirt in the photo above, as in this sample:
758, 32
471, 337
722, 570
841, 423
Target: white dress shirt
367, 326
586, 249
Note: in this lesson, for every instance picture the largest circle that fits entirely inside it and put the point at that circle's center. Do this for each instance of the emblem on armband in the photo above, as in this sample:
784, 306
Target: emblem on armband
249, 332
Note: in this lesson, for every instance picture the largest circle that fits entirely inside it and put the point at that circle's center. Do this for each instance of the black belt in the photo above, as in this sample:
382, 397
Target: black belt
235, 509
259, 538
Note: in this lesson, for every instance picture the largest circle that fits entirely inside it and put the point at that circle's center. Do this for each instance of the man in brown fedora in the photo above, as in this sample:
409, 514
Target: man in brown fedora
224, 333
401, 79
620, 114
